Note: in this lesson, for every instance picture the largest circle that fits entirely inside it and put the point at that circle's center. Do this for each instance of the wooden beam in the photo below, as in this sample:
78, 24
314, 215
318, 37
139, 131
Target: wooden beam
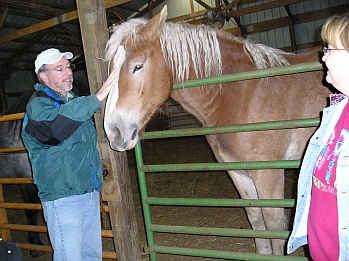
39, 27
302, 46
228, 7
65, 38
66, 30
206, 6
117, 186
191, 2
4, 107
119, 16
266, 25
242, 28
291, 28
244, 2
43, 3
154, 4
235, 31
3, 17
31, 7
128, 8
150, 9
217, 3
319, 14
53, 22
109, 12
262, 7
297, 19
187, 16
234, 13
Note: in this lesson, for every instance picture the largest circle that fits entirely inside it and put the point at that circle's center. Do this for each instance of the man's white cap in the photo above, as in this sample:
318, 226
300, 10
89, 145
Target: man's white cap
50, 56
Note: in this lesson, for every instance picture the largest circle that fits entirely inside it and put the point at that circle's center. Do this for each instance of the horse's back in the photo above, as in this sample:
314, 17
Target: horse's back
287, 97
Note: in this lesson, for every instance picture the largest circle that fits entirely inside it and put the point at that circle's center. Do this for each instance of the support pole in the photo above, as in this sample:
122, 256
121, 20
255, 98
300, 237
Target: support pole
4, 233
117, 188
3, 100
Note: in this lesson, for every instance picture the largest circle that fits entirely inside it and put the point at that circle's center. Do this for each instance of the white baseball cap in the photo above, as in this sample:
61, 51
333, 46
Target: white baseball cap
50, 56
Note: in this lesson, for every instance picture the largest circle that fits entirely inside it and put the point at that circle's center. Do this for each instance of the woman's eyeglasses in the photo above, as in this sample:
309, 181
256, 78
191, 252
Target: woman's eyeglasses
326, 50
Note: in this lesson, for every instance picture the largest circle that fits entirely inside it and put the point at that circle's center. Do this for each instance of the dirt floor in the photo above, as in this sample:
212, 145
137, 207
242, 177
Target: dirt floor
215, 184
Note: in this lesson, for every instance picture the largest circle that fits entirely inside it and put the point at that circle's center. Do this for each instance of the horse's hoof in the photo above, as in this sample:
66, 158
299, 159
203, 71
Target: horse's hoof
36, 254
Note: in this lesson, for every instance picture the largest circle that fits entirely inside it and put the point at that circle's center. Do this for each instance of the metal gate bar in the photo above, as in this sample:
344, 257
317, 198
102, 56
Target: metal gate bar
257, 126
278, 164
256, 74
147, 201
214, 202
223, 254
226, 232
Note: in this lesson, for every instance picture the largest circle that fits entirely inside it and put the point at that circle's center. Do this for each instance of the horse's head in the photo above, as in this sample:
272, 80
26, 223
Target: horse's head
145, 81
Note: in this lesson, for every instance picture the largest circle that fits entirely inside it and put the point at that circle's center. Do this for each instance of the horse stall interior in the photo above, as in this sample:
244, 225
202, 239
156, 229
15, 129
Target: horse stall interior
189, 211
186, 213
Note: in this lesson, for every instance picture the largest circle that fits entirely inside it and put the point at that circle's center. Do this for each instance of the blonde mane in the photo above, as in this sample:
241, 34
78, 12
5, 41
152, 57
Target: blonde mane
186, 45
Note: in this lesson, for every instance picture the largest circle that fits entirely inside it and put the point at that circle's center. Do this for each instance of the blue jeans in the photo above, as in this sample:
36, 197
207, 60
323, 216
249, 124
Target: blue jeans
74, 227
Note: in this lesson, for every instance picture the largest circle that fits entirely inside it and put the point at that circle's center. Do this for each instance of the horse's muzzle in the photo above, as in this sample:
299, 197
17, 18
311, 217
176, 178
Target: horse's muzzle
122, 141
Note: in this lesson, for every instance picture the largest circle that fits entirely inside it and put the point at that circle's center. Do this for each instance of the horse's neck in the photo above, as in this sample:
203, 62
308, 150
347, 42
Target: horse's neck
195, 100
205, 103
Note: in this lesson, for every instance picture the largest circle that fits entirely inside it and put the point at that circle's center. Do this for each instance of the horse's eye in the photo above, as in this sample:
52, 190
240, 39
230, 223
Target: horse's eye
137, 68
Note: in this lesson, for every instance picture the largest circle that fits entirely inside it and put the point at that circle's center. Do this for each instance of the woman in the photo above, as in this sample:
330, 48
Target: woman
322, 213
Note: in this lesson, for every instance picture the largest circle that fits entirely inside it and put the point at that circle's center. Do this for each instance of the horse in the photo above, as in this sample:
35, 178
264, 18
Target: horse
153, 54
18, 165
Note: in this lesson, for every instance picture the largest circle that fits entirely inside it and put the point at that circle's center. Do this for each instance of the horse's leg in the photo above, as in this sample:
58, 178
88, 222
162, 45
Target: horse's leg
30, 195
270, 185
247, 189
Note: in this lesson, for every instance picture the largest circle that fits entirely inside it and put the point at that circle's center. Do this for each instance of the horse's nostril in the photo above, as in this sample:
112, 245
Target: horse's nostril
134, 134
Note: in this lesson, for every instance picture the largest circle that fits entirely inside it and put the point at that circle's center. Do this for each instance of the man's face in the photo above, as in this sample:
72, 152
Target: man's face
58, 76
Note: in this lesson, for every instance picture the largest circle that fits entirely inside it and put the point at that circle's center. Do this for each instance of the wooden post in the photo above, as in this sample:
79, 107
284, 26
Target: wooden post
4, 233
3, 100
291, 28
116, 190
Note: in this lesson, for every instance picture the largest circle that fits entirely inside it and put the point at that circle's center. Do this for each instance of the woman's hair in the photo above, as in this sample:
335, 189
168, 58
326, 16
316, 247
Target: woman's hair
336, 28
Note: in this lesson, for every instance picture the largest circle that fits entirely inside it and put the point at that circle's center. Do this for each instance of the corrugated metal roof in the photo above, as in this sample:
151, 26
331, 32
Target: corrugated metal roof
20, 53
307, 32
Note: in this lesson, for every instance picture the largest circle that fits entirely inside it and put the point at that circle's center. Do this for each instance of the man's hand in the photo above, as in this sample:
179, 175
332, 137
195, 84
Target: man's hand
113, 77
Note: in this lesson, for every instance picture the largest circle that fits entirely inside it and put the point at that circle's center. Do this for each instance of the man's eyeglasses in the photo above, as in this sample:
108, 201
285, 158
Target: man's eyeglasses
326, 50
62, 68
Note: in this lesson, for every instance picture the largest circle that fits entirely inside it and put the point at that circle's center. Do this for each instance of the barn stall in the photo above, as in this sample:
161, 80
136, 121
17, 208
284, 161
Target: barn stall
201, 184
201, 141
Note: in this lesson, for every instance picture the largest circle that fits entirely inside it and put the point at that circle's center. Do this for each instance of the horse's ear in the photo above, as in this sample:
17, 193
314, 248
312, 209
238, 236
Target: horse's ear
153, 29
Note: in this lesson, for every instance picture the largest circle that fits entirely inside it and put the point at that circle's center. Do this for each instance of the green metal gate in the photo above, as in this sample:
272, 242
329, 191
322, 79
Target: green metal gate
283, 164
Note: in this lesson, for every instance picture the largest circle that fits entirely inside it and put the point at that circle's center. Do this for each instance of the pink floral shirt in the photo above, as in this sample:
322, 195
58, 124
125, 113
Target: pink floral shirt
323, 213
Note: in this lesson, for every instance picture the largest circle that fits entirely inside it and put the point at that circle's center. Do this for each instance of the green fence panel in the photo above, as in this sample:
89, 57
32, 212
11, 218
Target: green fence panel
207, 202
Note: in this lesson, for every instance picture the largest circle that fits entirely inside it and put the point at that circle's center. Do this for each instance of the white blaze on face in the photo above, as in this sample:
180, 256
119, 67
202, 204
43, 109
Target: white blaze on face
113, 95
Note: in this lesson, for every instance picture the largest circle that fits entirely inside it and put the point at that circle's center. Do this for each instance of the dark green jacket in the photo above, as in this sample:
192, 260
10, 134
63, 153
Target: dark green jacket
61, 141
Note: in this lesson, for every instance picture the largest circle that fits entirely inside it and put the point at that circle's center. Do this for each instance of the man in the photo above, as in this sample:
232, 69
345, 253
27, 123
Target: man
61, 141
